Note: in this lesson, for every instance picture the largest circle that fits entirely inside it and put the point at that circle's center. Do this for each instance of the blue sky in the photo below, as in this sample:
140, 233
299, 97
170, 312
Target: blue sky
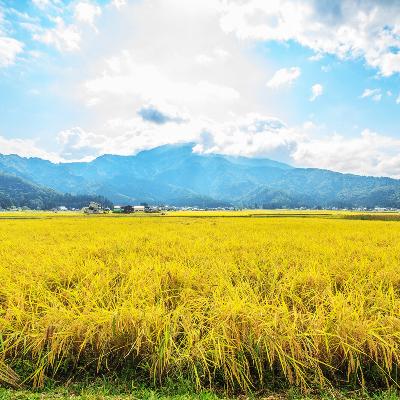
315, 84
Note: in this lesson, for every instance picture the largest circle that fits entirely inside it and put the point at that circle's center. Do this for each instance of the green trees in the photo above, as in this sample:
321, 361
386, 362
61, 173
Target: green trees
17, 192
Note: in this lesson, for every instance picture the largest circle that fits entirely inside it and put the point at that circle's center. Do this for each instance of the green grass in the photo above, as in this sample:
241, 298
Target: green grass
105, 392
117, 390
98, 394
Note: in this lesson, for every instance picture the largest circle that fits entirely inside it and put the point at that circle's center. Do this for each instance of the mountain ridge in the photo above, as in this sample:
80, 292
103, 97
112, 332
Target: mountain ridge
175, 175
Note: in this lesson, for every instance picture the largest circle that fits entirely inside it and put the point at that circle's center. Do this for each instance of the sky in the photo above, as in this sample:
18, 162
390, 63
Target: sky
314, 83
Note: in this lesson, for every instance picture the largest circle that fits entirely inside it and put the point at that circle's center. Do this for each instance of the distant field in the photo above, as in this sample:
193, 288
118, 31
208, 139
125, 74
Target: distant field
261, 301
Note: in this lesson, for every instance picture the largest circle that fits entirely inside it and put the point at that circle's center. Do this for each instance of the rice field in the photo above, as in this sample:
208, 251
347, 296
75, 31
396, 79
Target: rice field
221, 301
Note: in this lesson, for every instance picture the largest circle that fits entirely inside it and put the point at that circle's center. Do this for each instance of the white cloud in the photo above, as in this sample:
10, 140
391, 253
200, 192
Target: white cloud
165, 73
118, 4
283, 77
316, 91
135, 134
249, 135
9, 50
42, 4
127, 77
347, 29
63, 36
78, 144
176, 54
374, 94
48, 5
316, 57
204, 59
9, 47
398, 100
368, 154
87, 12
216, 55
25, 148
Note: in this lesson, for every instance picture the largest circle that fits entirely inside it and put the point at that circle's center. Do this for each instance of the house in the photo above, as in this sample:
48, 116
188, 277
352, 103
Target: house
131, 209
93, 208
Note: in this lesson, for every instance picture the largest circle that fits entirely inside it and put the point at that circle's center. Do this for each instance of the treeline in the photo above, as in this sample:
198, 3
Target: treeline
16, 192
341, 196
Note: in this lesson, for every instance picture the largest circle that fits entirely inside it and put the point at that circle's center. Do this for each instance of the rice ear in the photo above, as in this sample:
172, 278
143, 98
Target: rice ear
8, 376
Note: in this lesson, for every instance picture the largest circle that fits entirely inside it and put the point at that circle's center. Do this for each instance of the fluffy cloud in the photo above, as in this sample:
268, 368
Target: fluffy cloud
9, 47
178, 77
120, 136
118, 3
347, 29
370, 153
249, 135
208, 59
66, 25
87, 12
283, 77
25, 148
9, 50
374, 94
50, 7
78, 144
43, 4
65, 37
316, 91
125, 78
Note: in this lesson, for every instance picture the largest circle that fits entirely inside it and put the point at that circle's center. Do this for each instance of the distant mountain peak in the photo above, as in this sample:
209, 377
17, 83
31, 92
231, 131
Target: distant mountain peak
174, 174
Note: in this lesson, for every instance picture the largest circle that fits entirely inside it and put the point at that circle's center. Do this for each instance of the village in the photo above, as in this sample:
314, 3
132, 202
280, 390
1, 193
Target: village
97, 208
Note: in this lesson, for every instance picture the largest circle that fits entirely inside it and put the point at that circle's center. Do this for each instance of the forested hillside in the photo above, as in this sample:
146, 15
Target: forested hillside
18, 192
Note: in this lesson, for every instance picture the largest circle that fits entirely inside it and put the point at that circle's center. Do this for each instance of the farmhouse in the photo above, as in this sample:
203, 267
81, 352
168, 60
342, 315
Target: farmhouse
128, 209
93, 208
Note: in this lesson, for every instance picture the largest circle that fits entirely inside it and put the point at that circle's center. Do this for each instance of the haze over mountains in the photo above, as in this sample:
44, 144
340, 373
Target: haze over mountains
175, 175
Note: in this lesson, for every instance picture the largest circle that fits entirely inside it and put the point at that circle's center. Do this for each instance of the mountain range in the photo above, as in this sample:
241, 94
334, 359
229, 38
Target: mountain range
175, 175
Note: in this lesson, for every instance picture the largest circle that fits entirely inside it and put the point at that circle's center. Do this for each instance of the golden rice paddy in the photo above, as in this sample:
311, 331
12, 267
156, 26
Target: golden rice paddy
241, 303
